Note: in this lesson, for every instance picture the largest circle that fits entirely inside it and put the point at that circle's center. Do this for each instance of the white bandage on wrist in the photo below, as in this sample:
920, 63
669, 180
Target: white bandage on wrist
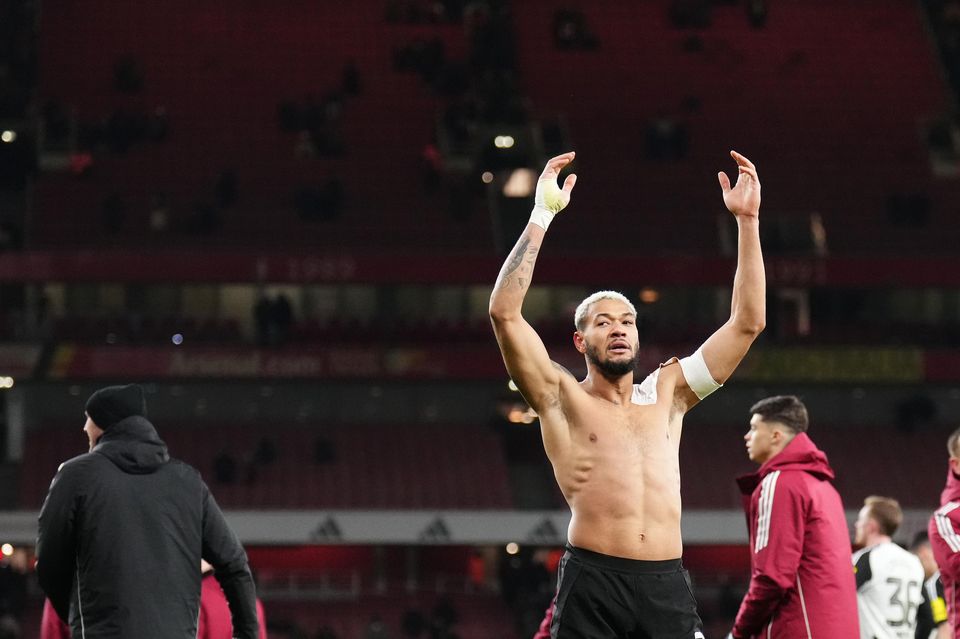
697, 374
547, 202
541, 217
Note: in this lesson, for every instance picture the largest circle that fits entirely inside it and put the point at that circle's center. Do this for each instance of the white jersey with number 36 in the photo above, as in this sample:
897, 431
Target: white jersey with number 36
889, 583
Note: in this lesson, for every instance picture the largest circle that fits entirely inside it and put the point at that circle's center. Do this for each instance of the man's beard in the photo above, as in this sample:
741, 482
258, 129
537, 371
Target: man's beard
611, 369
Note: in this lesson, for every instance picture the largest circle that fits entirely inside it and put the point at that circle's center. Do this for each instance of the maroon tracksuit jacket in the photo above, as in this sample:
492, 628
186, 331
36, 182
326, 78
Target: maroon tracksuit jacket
214, 621
945, 541
802, 584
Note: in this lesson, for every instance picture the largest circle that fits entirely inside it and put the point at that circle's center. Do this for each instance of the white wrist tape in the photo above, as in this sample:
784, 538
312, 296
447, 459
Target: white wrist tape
697, 374
541, 217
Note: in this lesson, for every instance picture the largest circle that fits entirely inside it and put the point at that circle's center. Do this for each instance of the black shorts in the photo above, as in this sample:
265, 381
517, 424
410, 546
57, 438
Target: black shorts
604, 597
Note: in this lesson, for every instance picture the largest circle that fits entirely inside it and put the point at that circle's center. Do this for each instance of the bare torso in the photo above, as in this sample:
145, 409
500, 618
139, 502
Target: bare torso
620, 471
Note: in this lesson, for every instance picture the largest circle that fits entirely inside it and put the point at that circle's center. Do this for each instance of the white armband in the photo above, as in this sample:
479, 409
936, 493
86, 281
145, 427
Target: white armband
698, 375
541, 217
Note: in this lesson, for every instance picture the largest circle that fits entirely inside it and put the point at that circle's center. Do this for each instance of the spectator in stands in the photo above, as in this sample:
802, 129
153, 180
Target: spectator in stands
932, 611
570, 31
225, 468
266, 452
306, 146
350, 81
262, 314
124, 527
320, 203
376, 629
114, 213
880, 563
444, 618
757, 13
128, 75
600, 468
666, 138
413, 624
802, 582
944, 532
159, 213
326, 632
690, 14
281, 316
158, 125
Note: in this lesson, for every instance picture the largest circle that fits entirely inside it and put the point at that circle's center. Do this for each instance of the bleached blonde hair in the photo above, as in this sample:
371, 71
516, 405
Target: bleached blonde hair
581, 313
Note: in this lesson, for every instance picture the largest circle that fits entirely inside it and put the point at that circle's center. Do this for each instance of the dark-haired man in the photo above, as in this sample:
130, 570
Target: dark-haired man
889, 578
801, 582
123, 529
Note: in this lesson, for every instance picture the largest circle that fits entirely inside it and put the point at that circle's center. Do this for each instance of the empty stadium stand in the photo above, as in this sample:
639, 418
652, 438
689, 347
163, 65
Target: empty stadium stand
366, 466
835, 129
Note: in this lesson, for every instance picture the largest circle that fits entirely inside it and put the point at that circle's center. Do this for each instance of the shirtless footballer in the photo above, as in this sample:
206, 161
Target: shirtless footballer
614, 443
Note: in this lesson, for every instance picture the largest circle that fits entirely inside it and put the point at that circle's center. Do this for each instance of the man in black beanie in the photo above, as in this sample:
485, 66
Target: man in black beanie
124, 527
109, 406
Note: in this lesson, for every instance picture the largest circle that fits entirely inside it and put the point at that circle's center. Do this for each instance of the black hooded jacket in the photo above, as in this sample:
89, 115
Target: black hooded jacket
122, 532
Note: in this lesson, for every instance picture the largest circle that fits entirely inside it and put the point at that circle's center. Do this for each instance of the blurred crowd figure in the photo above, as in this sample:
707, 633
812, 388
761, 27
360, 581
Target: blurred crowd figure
273, 319
228, 470
14, 573
571, 31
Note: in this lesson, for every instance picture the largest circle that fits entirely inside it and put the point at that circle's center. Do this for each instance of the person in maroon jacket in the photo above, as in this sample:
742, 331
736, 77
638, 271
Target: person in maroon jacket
944, 532
802, 583
51, 625
214, 621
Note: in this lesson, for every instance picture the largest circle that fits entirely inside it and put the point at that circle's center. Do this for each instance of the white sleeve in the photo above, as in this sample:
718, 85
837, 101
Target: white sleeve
698, 375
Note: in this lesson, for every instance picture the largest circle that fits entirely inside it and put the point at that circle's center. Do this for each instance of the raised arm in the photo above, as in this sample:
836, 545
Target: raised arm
723, 351
523, 351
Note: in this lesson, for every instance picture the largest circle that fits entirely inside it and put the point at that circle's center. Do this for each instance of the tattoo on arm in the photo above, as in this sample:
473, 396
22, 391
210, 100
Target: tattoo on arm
517, 263
517, 256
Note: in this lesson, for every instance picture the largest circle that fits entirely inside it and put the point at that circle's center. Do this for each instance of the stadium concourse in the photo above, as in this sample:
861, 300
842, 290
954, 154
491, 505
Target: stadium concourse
285, 220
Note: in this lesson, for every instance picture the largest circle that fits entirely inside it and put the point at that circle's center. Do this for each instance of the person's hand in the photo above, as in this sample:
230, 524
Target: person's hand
744, 198
549, 195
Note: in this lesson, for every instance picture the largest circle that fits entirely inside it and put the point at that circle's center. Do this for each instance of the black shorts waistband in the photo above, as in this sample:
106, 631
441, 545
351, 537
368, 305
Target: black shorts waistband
622, 564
